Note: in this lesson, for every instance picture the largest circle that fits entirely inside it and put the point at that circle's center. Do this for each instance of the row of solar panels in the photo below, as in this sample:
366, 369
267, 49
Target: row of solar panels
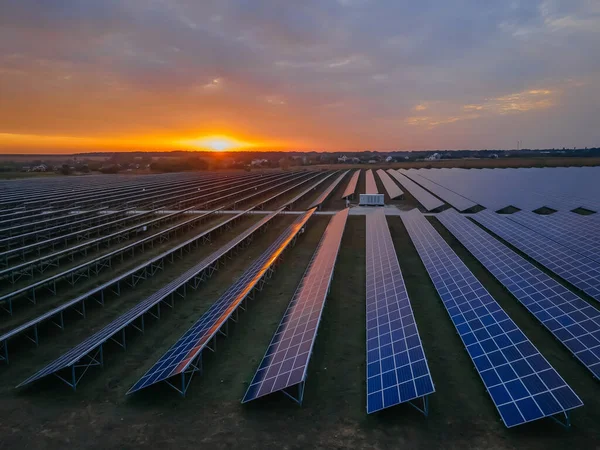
132, 276
521, 383
562, 189
528, 189
71, 275
425, 198
200, 198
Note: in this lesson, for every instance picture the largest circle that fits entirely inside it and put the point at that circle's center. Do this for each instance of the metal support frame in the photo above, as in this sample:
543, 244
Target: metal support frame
92, 360
424, 407
563, 421
4, 351
297, 396
185, 377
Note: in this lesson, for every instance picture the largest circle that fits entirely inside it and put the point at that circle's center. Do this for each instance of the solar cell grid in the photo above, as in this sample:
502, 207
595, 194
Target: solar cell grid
397, 370
570, 319
183, 353
572, 231
522, 384
578, 270
428, 201
286, 360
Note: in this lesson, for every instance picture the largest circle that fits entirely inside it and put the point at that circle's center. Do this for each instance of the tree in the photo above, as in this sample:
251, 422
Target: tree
284, 163
65, 169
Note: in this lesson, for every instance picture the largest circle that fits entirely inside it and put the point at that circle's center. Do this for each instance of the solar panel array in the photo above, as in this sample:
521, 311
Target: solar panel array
568, 229
522, 384
397, 370
458, 201
286, 360
578, 270
327, 192
428, 201
190, 346
78, 352
570, 319
370, 185
351, 188
560, 188
309, 189
390, 186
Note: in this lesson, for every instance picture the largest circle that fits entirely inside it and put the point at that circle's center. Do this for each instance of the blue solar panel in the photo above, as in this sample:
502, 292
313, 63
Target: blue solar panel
286, 359
578, 270
397, 370
570, 319
570, 230
522, 384
181, 356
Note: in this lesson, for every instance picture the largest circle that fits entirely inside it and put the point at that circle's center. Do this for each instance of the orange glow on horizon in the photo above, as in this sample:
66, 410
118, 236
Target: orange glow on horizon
53, 144
216, 143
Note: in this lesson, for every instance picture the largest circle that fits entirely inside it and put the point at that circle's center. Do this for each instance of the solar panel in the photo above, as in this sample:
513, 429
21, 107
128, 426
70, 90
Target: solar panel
351, 188
574, 322
390, 186
572, 231
285, 363
308, 190
428, 201
370, 185
181, 358
578, 270
458, 201
92, 346
522, 384
527, 189
327, 192
397, 370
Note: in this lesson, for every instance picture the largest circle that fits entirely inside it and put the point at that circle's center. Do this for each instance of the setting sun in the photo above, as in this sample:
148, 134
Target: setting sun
216, 143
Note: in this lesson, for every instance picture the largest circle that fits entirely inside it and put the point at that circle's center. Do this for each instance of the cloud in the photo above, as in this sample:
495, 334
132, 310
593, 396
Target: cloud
395, 73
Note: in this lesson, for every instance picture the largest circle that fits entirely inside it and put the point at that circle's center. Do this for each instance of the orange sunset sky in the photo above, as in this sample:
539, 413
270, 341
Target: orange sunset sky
121, 75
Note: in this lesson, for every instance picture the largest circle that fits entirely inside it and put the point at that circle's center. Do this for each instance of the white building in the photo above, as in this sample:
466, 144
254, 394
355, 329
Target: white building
258, 162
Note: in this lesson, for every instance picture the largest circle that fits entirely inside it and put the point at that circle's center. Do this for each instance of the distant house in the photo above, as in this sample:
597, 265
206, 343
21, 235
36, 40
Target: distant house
258, 162
40, 168
389, 159
372, 161
343, 159
434, 157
